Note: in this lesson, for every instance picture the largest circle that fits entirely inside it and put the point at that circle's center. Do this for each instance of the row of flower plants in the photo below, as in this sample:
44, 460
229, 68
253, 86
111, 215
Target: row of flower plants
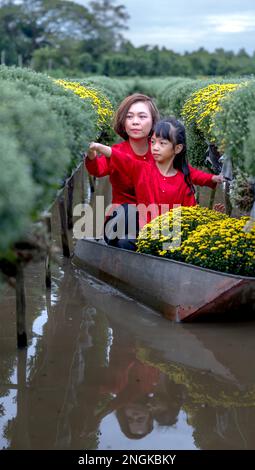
219, 116
202, 237
45, 127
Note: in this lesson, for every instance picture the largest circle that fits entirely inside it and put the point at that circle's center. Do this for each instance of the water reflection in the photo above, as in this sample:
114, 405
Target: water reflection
102, 371
109, 376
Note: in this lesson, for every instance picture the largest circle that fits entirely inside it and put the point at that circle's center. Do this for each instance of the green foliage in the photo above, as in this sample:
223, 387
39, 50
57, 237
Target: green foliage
109, 21
242, 192
114, 89
78, 118
33, 24
17, 191
68, 36
199, 123
202, 105
172, 95
232, 127
100, 103
196, 146
66, 29
249, 146
39, 136
196, 102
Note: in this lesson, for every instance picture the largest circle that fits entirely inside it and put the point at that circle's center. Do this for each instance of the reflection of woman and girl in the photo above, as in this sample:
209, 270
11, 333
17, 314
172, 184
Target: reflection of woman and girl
139, 394
149, 168
117, 374
108, 377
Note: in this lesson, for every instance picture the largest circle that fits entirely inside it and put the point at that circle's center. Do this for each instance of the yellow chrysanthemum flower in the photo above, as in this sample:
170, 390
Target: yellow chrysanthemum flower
101, 104
203, 104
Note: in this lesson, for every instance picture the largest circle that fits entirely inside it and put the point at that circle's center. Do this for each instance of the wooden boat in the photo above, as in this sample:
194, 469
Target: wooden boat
180, 291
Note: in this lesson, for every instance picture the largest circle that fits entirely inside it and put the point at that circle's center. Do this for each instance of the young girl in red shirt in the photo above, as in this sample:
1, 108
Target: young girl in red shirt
167, 180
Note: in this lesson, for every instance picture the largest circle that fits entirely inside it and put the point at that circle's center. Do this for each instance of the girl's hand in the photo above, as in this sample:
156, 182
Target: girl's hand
219, 208
218, 179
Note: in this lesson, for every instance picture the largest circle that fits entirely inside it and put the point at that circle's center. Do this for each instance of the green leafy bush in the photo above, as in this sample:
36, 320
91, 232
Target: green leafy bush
114, 89
17, 192
232, 126
172, 96
249, 146
78, 118
242, 192
39, 136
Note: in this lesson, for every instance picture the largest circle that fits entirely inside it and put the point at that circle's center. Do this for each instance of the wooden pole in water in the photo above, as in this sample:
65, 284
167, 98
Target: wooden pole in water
48, 255
82, 185
69, 210
64, 232
21, 307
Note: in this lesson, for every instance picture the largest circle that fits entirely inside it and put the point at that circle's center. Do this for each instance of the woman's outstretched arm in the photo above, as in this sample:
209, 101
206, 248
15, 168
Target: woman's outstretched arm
97, 165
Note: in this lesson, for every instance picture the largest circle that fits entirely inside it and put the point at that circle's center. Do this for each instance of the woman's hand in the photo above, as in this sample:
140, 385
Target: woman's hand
95, 148
92, 151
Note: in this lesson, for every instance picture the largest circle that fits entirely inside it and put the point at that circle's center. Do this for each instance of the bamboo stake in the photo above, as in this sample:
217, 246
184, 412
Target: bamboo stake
21, 308
64, 233
69, 210
48, 255
82, 185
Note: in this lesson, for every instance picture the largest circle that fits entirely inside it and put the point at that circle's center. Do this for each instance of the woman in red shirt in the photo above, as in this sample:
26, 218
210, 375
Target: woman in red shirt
134, 121
168, 179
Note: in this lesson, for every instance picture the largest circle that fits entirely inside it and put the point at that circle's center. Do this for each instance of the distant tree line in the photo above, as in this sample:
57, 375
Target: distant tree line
67, 38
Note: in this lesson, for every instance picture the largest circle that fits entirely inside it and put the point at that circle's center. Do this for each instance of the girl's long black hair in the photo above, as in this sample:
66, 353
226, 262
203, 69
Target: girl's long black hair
173, 130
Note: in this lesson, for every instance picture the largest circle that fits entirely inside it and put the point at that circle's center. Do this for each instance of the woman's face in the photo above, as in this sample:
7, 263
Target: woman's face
138, 122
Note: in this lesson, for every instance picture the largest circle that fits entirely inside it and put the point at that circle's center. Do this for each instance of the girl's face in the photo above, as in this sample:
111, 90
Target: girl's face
138, 122
162, 149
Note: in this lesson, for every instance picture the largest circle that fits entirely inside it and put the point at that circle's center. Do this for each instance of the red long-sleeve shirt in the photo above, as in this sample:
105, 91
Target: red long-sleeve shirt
152, 188
122, 185
123, 190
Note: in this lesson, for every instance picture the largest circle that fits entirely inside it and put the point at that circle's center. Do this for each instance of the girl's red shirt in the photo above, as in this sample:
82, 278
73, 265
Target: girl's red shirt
154, 192
136, 179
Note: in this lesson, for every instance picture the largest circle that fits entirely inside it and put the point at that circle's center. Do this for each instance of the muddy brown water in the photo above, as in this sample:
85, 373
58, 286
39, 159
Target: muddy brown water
102, 371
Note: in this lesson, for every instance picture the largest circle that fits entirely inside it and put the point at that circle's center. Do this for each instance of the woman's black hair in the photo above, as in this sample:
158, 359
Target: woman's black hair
173, 130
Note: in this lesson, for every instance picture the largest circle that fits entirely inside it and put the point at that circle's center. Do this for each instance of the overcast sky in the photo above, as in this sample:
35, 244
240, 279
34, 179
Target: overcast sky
186, 25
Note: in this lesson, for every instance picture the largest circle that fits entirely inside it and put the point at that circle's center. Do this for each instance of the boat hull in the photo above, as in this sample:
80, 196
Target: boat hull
181, 292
